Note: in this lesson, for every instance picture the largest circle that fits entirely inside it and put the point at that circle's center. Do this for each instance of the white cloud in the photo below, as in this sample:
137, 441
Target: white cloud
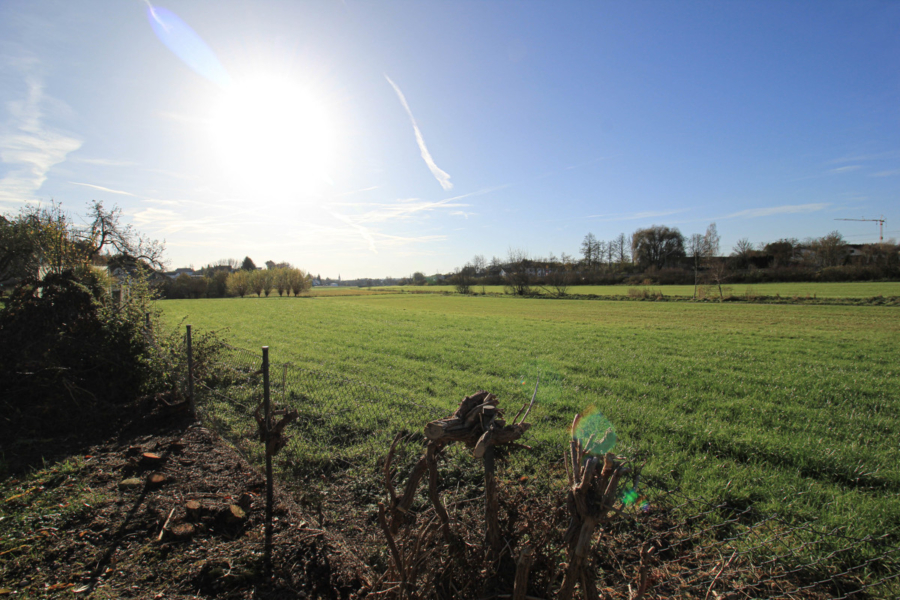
162, 221
845, 169
363, 232
372, 238
28, 147
407, 208
889, 173
778, 210
442, 177
103, 189
103, 162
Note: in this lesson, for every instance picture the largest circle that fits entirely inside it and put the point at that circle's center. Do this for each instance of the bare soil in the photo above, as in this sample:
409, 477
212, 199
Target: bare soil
162, 509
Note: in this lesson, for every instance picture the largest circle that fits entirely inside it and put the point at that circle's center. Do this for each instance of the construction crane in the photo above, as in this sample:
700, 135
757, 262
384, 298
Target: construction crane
880, 226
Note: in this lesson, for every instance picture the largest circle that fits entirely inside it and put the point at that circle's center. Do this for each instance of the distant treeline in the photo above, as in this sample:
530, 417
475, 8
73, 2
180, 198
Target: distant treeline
661, 255
227, 279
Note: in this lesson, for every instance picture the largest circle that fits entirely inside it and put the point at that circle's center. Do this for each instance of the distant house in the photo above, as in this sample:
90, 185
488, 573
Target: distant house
119, 280
182, 271
217, 268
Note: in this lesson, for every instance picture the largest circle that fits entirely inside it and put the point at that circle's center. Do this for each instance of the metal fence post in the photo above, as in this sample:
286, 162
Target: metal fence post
269, 490
190, 373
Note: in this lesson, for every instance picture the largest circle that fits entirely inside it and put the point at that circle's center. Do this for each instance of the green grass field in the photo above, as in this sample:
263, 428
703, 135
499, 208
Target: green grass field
790, 408
866, 289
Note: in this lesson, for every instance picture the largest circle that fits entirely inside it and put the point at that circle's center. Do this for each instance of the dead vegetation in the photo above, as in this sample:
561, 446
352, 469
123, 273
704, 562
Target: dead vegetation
165, 509
433, 557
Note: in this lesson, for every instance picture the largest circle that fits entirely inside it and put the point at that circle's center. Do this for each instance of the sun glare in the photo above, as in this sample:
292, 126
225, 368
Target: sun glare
273, 136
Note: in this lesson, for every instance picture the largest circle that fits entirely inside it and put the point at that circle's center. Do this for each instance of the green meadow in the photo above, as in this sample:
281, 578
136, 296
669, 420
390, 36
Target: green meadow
789, 408
864, 289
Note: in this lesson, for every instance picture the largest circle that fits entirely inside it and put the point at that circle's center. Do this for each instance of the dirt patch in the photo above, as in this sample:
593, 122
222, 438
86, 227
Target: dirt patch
164, 510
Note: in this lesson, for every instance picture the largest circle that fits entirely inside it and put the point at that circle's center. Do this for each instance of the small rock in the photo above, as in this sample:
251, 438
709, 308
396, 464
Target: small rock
155, 480
182, 530
132, 482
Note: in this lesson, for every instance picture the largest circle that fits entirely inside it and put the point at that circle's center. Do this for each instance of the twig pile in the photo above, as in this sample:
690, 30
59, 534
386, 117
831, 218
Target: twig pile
422, 565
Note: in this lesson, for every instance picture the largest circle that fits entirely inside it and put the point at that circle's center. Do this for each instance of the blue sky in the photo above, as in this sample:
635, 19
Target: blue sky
382, 138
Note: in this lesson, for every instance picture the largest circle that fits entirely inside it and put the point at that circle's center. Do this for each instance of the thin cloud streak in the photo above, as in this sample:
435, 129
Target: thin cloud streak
778, 210
169, 222
373, 239
104, 189
846, 169
647, 214
354, 192
442, 177
406, 208
29, 147
363, 232
103, 162
852, 158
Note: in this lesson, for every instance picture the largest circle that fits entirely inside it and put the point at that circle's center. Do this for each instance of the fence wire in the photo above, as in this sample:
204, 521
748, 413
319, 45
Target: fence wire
705, 549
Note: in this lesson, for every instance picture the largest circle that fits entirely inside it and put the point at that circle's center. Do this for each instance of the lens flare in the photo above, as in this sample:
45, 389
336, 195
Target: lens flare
630, 496
596, 433
551, 380
187, 45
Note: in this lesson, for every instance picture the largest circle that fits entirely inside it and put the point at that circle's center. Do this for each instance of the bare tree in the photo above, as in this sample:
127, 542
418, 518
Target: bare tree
479, 264
257, 282
658, 246
831, 249
742, 252
623, 245
463, 279
559, 278
232, 263
600, 252
299, 281
589, 250
782, 251
518, 277
238, 283
45, 239
281, 279
711, 239
703, 249
697, 251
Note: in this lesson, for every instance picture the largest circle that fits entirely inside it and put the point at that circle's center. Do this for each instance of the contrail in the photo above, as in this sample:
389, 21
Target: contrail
442, 177
362, 230
103, 189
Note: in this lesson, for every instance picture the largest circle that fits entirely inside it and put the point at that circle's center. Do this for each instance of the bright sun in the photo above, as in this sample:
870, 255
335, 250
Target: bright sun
273, 136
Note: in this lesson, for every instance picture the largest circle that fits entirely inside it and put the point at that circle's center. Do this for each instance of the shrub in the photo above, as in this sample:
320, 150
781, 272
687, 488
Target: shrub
67, 347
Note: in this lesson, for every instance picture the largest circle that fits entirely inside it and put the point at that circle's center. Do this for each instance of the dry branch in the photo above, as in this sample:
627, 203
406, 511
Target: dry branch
523, 567
273, 434
591, 499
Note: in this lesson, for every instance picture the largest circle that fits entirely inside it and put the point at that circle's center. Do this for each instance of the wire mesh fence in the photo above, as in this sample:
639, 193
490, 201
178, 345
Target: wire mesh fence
705, 549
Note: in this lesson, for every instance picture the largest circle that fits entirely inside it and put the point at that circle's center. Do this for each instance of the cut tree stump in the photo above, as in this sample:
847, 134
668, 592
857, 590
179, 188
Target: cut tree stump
155, 480
149, 459
234, 514
192, 509
182, 531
